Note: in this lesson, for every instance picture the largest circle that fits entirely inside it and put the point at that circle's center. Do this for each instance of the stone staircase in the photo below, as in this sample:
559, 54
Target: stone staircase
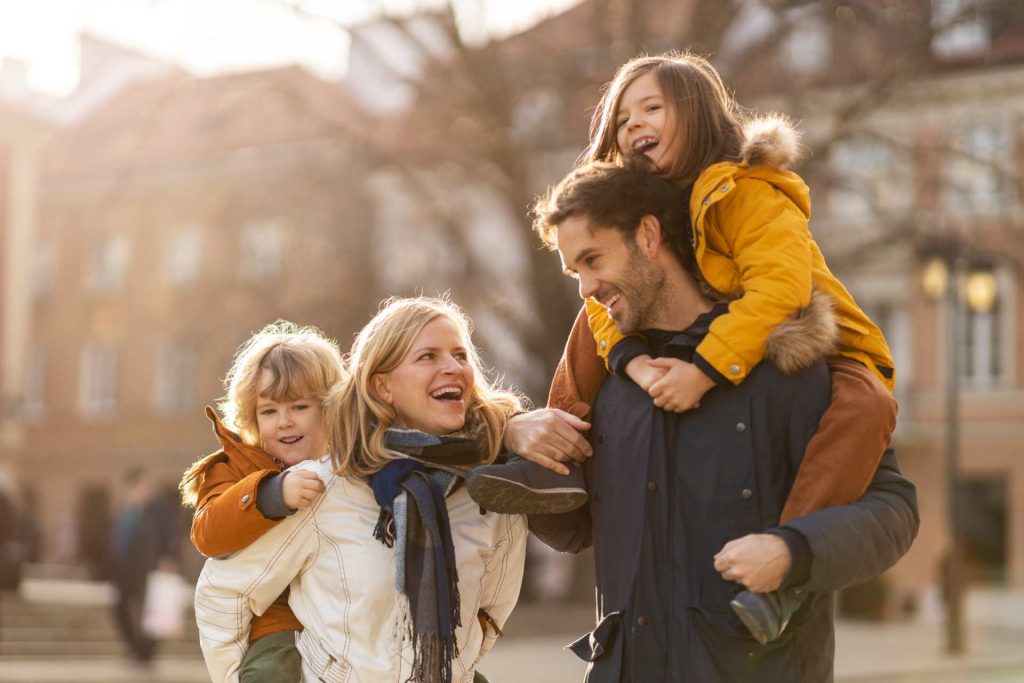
58, 613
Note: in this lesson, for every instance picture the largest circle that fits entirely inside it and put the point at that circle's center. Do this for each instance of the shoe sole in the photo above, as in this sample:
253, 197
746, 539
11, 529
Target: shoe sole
757, 628
511, 497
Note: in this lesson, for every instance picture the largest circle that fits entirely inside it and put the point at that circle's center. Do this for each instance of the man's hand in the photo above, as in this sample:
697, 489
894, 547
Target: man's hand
758, 561
641, 371
548, 437
682, 386
300, 488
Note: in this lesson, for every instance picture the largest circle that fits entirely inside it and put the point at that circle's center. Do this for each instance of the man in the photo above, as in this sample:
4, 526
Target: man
684, 507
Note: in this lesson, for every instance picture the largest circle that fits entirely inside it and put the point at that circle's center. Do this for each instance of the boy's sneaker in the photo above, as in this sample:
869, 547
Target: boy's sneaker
766, 615
523, 487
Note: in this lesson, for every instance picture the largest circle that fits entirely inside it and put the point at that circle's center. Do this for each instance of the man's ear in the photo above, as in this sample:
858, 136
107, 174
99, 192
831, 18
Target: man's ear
379, 387
648, 235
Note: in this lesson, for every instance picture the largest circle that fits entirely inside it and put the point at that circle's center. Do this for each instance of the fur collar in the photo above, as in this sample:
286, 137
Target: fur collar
771, 140
810, 334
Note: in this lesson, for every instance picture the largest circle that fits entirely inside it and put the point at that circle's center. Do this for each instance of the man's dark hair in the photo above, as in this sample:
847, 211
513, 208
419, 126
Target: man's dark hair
617, 197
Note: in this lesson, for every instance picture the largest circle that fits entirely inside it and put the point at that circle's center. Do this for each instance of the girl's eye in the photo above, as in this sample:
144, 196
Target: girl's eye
426, 356
300, 406
620, 123
654, 107
462, 356
267, 411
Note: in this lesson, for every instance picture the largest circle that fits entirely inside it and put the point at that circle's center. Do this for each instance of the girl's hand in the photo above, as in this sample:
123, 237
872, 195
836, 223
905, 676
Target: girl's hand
300, 488
682, 386
643, 372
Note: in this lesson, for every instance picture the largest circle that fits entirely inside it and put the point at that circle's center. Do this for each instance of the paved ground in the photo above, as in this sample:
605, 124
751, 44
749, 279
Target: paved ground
866, 653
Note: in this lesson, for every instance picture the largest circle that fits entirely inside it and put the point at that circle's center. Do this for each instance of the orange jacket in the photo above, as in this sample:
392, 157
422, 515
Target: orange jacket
222, 486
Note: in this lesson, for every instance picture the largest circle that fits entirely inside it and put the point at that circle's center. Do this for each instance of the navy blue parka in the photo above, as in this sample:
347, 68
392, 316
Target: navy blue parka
668, 490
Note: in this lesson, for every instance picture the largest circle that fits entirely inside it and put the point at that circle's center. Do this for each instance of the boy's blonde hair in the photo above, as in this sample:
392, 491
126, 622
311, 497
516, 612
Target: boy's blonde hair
357, 418
707, 121
303, 361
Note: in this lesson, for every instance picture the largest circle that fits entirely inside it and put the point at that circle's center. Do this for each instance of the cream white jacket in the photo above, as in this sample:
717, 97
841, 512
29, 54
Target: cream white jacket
343, 586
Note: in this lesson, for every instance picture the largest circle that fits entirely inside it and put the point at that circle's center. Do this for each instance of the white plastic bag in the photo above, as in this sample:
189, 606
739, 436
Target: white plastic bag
167, 598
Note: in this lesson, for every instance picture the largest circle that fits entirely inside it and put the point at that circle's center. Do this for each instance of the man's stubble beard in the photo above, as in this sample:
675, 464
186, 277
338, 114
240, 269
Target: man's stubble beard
642, 287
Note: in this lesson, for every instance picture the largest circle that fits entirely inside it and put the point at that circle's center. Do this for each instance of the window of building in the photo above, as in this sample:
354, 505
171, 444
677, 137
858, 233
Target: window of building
260, 254
97, 380
977, 180
872, 179
960, 26
182, 255
35, 384
175, 382
107, 263
986, 342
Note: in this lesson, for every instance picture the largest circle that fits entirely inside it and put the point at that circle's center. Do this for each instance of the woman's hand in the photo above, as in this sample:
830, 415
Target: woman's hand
300, 488
548, 437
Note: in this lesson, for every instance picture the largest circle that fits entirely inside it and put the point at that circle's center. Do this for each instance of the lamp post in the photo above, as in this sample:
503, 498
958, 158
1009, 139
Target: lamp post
941, 278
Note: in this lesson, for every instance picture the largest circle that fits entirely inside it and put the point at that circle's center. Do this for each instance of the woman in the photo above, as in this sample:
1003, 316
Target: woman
394, 571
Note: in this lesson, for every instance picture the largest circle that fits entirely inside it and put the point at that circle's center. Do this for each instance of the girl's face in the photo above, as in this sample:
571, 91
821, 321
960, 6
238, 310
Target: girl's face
644, 124
291, 431
430, 388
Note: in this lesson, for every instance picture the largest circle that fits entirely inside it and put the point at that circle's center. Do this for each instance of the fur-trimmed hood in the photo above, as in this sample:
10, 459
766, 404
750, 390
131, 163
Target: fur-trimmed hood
771, 140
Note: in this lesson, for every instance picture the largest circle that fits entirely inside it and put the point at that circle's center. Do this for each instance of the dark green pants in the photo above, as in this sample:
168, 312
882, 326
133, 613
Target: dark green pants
478, 677
272, 659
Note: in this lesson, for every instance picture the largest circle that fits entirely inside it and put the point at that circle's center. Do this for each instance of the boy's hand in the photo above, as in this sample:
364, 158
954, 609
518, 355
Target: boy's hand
682, 386
300, 488
642, 371
548, 437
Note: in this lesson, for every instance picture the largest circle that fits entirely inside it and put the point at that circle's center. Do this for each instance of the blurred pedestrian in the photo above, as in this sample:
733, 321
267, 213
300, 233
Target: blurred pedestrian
12, 550
139, 541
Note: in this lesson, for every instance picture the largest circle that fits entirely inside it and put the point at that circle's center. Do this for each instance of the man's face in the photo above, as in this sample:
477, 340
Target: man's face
612, 269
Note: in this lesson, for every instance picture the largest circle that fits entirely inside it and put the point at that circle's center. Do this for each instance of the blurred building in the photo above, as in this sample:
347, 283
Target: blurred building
915, 114
174, 219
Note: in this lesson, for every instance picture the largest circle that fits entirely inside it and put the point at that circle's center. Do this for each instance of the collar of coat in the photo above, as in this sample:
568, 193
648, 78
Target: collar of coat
794, 345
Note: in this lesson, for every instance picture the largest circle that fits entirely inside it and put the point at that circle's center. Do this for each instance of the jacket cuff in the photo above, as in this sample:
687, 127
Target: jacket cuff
723, 359
626, 350
800, 556
709, 370
270, 497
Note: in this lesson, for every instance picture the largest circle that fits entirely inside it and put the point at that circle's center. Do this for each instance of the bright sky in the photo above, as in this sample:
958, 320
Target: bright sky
208, 36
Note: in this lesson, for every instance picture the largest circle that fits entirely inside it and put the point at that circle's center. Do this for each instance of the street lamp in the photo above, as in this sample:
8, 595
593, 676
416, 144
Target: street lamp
941, 278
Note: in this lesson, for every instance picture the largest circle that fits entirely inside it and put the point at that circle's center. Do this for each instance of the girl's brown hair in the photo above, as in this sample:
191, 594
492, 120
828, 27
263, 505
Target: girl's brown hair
357, 418
707, 120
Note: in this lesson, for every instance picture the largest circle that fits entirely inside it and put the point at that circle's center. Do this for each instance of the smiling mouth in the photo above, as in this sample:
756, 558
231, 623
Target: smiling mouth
611, 301
289, 440
451, 394
644, 145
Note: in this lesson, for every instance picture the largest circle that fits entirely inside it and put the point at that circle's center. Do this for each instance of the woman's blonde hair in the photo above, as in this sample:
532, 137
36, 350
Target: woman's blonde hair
357, 418
302, 360
705, 116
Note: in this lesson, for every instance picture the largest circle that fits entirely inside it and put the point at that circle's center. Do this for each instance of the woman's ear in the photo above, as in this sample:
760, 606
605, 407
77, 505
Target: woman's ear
379, 387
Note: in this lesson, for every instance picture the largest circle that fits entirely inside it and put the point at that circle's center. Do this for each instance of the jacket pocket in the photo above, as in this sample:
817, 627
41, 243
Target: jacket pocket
318, 663
723, 650
605, 637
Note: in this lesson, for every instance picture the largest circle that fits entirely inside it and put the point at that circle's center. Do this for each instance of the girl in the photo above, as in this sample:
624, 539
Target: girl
275, 390
394, 570
752, 244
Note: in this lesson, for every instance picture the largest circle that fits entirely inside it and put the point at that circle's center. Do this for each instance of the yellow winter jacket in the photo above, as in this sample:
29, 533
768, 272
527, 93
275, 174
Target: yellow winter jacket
751, 240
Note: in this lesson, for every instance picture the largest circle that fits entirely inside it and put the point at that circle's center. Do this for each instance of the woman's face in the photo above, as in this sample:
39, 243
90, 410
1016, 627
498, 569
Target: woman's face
430, 388
644, 124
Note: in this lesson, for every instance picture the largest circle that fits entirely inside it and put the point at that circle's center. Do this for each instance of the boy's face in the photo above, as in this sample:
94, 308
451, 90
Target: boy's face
291, 431
612, 269
644, 124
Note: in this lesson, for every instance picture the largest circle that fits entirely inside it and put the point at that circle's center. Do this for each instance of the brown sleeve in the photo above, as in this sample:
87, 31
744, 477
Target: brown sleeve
580, 372
226, 518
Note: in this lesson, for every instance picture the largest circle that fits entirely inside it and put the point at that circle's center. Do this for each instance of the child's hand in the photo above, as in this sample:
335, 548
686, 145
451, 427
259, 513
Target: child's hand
300, 488
682, 386
643, 372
